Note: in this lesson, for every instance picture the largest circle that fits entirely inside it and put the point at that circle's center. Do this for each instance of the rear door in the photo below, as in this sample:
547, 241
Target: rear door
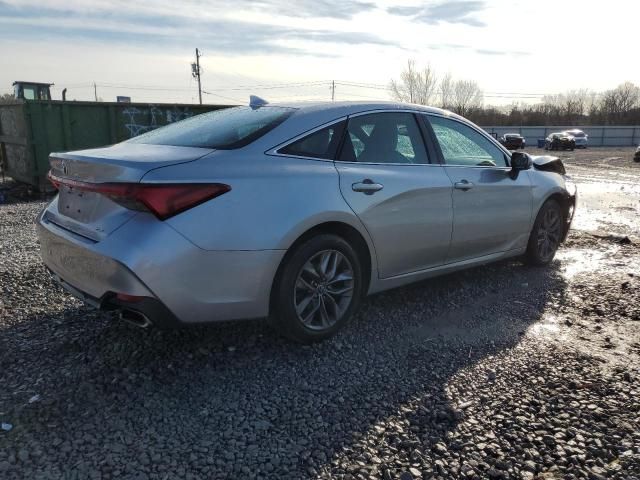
402, 198
491, 207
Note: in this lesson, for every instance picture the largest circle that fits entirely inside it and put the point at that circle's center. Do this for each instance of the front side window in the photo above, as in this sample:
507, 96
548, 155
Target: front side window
223, 129
321, 144
384, 138
462, 145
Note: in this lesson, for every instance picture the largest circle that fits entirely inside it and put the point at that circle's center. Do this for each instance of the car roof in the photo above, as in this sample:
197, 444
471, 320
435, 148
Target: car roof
310, 115
350, 107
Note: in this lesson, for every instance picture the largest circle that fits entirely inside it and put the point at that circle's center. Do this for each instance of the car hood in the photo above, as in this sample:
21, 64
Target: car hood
548, 163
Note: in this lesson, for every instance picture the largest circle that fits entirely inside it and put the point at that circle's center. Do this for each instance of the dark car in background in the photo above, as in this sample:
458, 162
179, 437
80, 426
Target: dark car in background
581, 138
559, 141
512, 141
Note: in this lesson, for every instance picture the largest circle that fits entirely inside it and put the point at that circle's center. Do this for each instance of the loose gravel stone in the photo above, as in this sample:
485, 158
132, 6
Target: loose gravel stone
472, 375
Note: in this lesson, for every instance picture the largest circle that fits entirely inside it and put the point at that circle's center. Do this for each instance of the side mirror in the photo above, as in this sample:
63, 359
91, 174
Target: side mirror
520, 161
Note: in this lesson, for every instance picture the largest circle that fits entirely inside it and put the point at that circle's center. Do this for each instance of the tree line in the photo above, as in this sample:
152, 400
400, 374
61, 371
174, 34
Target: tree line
618, 106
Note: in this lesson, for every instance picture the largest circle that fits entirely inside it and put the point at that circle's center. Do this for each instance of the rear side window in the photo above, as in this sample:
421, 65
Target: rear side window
223, 129
384, 138
321, 144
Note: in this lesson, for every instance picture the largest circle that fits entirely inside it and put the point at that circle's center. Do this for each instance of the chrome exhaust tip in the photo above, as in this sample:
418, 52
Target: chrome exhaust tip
135, 318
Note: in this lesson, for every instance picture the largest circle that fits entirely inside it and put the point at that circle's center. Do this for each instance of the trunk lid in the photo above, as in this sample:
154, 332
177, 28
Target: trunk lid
93, 215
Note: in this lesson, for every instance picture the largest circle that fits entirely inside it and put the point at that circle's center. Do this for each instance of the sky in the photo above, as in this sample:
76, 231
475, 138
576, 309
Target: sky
287, 50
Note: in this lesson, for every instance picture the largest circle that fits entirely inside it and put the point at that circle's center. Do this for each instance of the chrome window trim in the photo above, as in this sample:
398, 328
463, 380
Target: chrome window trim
275, 151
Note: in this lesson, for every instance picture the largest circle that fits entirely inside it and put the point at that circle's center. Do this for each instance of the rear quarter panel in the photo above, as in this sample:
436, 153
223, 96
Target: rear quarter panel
273, 200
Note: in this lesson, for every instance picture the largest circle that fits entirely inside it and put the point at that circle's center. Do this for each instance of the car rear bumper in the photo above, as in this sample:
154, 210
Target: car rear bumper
170, 280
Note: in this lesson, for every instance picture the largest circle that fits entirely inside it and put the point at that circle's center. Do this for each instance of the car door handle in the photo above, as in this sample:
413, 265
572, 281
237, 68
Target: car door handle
367, 186
463, 185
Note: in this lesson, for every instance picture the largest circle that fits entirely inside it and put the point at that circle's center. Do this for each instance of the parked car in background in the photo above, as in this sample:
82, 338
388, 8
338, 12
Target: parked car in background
581, 138
636, 157
559, 141
513, 141
293, 212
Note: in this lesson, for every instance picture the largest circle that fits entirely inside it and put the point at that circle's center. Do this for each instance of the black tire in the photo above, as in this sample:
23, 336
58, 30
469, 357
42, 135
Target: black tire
536, 253
284, 316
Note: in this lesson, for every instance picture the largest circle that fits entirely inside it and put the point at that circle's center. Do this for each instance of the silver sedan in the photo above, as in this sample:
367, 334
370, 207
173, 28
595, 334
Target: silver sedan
293, 213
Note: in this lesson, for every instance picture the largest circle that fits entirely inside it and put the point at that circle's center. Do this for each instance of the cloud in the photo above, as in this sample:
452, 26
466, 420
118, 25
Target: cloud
490, 51
479, 51
342, 9
462, 12
405, 11
160, 26
337, 9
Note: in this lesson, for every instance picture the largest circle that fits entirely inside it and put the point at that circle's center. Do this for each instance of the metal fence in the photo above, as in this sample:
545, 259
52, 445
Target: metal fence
31, 130
599, 136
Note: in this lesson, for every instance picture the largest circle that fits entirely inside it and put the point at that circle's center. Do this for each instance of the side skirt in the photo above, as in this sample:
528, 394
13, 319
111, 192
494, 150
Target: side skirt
379, 285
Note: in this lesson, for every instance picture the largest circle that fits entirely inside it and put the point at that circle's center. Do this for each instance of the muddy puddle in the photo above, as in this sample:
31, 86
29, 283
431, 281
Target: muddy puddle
598, 313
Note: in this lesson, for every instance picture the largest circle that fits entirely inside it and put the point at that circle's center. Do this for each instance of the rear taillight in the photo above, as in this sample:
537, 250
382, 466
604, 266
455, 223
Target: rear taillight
162, 199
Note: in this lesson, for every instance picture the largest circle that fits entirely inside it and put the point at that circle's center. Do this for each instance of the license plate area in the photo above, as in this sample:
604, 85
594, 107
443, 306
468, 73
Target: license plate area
78, 204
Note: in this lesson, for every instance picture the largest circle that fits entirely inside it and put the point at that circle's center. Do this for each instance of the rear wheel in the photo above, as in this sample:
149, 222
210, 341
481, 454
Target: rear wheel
546, 234
318, 289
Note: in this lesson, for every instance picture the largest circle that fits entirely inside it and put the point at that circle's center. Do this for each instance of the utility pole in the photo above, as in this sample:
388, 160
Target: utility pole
333, 90
195, 71
95, 91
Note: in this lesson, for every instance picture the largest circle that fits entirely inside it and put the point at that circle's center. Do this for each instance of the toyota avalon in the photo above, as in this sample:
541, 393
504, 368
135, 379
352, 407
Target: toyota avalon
293, 212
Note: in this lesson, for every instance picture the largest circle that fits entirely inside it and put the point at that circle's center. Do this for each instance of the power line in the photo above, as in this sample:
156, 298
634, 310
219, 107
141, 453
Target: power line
221, 96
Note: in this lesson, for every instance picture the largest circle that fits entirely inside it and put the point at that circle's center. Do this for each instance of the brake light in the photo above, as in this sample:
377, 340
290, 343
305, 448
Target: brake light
162, 199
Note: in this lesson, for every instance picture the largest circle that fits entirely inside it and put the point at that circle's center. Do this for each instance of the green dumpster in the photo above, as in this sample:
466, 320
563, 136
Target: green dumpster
31, 130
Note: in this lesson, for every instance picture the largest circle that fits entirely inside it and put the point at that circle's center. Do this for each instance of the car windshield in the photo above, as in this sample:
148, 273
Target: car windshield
512, 135
576, 133
226, 128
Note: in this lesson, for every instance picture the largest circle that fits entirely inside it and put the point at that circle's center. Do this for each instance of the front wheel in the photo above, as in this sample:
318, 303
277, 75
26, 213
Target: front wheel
546, 234
318, 289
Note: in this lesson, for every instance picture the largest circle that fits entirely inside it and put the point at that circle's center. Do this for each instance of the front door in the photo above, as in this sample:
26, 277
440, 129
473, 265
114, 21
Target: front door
491, 207
403, 200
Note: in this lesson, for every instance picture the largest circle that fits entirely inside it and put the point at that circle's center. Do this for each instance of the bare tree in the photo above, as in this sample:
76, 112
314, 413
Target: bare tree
415, 86
628, 96
7, 98
575, 102
467, 96
446, 91
620, 101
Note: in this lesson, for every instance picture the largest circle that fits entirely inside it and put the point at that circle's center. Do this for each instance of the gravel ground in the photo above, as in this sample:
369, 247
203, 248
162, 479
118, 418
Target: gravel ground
502, 371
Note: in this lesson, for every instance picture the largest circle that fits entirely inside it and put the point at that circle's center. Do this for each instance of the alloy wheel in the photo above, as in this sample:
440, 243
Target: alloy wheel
549, 233
324, 289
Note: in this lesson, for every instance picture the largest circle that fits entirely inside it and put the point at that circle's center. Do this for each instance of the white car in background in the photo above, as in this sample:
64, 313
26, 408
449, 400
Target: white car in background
581, 138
